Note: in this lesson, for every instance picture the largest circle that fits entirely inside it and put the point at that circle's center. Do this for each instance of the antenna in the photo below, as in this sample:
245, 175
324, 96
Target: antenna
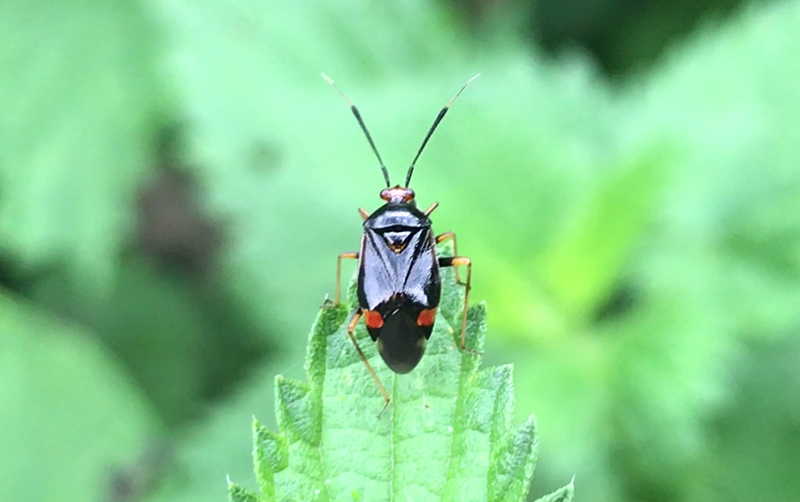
363, 127
433, 128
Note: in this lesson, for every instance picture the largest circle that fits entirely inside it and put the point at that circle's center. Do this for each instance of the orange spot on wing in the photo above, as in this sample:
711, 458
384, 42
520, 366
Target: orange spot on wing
426, 317
373, 319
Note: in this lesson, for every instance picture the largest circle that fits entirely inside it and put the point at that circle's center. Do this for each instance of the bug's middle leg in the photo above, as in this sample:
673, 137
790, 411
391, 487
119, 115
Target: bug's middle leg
446, 236
351, 327
457, 261
342, 256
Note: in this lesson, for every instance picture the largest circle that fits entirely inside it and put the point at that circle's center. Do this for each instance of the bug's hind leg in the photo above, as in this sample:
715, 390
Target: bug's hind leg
342, 256
446, 236
457, 261
351, 327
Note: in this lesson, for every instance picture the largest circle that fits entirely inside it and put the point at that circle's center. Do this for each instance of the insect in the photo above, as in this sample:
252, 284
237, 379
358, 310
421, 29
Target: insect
399, 285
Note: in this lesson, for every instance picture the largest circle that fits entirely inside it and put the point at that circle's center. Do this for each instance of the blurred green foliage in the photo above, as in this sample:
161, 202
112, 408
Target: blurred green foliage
176, 181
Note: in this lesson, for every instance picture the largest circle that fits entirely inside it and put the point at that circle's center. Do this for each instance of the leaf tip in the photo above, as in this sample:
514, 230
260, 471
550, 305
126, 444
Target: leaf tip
563, 494
237, 493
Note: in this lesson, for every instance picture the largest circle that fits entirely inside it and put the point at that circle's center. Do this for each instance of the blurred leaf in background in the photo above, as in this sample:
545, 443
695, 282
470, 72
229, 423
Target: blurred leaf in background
176, 180
69, 414
78, 94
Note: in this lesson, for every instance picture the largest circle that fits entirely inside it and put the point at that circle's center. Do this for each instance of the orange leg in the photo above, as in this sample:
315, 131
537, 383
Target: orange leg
342, 256
457, 261
430, 209
451, 235
351, 327
363, 212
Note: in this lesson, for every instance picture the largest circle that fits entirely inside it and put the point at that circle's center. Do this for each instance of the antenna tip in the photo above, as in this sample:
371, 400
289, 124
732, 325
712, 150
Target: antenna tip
473, 78
327, 78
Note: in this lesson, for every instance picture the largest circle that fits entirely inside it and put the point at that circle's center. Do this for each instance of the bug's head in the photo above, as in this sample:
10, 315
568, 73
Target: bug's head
398, 195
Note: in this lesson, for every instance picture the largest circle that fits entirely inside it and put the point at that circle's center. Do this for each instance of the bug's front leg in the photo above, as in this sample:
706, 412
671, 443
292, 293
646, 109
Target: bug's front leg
351, 327
342, 256
457, 261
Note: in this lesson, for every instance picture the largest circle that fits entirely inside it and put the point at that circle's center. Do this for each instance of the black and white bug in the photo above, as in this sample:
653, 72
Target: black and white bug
399, 285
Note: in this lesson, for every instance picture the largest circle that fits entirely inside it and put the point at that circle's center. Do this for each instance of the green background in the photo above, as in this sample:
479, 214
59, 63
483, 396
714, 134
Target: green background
176, 181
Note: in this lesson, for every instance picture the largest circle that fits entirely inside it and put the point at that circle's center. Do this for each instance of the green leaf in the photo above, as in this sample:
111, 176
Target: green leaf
561, 495
447, 434
586, 259
77, 93
238, 494
217, 445
69, 415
